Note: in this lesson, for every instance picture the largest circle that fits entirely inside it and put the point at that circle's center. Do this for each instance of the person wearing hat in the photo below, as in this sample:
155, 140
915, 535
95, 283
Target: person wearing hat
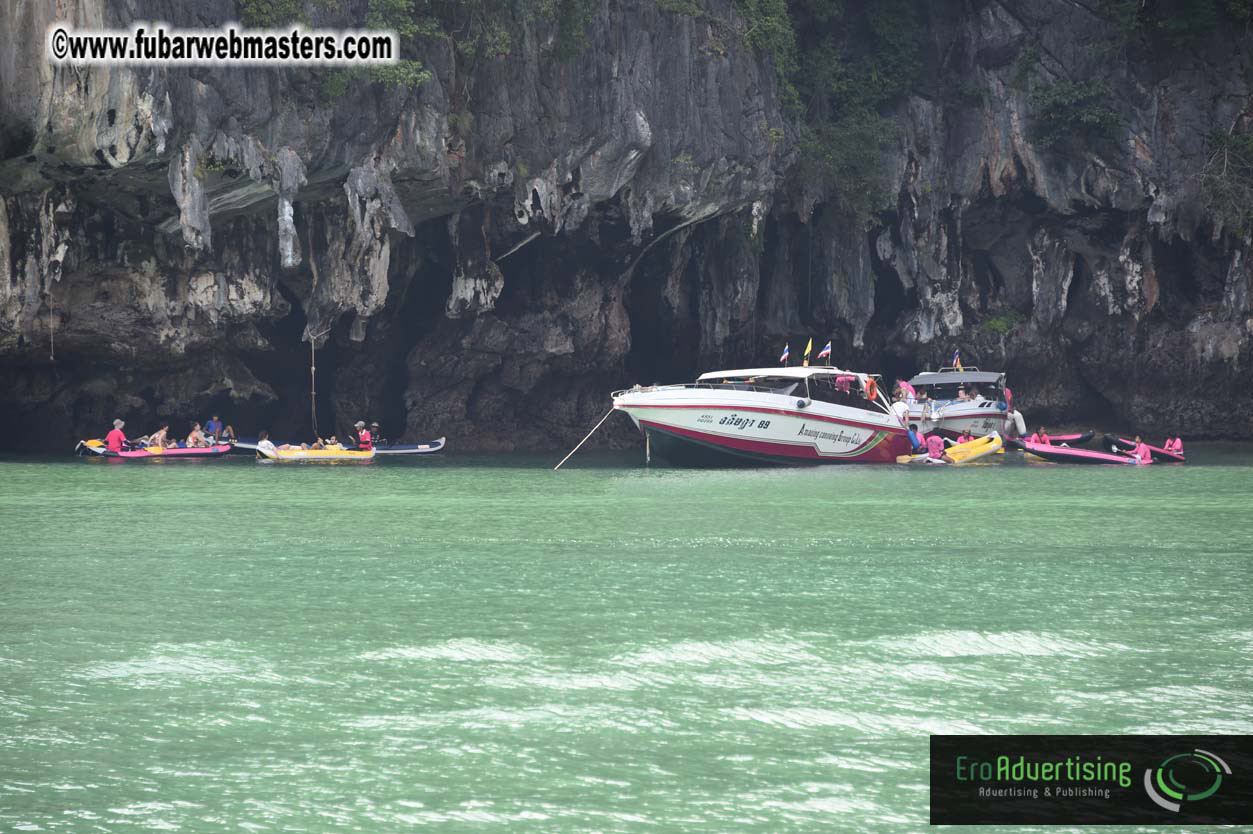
365, 441
377, 434
116, 439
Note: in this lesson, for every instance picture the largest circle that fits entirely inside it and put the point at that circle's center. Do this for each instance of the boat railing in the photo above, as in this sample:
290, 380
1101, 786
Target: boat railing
712, 386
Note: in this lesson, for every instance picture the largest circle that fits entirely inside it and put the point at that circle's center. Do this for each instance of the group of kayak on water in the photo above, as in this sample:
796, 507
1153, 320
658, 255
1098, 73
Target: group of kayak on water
214, 432
1140, 450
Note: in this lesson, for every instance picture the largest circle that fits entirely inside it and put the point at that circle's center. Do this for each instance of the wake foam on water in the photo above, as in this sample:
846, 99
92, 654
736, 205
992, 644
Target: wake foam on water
738, 652
460, 650
976, 644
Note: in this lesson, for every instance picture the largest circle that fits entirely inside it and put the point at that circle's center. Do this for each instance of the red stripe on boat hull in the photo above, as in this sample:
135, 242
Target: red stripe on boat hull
883, 451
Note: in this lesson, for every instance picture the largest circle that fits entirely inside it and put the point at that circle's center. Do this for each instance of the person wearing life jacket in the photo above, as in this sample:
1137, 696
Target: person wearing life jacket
1174, 443
365, 441
116, 439
1141, 452
1040, 437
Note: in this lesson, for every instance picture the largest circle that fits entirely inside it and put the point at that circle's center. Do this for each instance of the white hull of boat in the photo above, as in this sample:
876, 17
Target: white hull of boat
707, 422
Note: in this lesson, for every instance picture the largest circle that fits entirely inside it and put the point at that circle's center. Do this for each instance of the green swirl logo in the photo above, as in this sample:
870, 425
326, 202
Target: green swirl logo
1185, 777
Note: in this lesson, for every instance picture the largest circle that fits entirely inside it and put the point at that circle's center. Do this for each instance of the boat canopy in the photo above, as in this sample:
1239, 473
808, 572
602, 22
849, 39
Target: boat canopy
956, 377
782, 373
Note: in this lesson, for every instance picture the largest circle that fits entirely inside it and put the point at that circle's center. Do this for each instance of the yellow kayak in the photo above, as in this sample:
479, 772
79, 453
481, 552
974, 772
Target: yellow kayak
315, 454
975, 449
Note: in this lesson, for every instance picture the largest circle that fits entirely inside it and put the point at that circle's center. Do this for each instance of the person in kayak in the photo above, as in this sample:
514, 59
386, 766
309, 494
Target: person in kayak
935, 448
213, 427
1174, 444
264, 443
116, 439
917, 444
965, 436
365, 440
1141, 451
1040, 436
377, 434
196, 439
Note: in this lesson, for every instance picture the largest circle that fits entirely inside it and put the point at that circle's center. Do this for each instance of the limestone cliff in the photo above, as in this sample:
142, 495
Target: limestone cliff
487, 254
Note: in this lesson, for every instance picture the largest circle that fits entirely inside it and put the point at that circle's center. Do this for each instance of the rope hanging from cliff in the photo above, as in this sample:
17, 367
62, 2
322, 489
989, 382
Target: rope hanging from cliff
584, 440
52, 329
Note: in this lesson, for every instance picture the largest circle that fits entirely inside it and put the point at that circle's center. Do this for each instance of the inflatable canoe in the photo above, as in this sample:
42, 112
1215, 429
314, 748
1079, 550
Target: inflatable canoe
1125, 445
428, 448
1065, 454
1072, 439
97, 447
976, 449
315, 454
919, 458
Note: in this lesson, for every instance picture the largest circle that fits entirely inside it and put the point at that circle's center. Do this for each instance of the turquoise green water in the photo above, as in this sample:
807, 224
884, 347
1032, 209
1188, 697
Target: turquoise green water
483, 645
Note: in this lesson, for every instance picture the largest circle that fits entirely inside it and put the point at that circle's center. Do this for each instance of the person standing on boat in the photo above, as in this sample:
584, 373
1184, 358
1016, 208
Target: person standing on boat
901, 409
365, 440
116, 439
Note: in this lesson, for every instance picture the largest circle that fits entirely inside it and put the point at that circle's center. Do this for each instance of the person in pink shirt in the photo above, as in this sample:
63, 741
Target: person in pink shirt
1141, 452
1174, 443
1040, 437
115, 439
935, 448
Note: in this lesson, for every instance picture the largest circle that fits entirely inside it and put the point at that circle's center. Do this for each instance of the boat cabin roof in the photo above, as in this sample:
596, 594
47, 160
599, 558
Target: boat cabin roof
958, 377
780, 373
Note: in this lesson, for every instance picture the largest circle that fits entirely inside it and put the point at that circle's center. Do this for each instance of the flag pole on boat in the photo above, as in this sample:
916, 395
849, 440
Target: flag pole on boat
584, 440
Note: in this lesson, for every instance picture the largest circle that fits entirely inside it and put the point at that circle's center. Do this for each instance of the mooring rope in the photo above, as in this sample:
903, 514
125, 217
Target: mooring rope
584, 440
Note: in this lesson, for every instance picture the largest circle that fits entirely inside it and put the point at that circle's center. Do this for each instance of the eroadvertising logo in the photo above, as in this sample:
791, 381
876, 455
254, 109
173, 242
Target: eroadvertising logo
1092, 780
1181, 771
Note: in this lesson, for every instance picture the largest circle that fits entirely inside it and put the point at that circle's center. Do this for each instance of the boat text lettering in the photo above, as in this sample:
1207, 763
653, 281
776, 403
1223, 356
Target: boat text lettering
735, 421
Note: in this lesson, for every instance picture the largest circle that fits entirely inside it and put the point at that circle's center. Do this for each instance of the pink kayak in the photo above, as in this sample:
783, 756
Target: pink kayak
1065, 454
94, 447
1159, 454
1072, 439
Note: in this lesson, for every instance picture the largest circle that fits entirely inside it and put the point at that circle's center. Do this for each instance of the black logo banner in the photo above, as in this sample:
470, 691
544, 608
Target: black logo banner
1092, 780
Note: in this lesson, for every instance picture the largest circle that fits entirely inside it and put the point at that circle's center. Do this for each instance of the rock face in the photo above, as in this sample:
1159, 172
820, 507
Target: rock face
488, 255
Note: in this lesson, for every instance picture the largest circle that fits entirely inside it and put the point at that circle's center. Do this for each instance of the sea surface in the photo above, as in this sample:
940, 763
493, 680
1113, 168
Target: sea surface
484, 645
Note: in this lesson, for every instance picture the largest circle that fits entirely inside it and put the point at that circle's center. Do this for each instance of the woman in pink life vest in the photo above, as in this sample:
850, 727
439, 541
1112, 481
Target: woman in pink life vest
1141, 452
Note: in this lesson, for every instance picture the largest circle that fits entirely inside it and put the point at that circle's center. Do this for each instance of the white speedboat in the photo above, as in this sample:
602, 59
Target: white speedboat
768, 415
957, 400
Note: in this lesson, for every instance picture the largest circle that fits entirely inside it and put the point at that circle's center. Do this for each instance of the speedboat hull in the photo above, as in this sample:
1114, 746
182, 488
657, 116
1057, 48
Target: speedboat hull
711, 427
953, 419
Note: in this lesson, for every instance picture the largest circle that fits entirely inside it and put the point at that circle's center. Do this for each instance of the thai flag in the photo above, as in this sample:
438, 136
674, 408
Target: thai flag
786, 353
825, 353
957, 358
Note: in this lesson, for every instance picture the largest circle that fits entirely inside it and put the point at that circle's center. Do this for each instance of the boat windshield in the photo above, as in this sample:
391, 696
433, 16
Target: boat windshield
766, 385
957, 392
